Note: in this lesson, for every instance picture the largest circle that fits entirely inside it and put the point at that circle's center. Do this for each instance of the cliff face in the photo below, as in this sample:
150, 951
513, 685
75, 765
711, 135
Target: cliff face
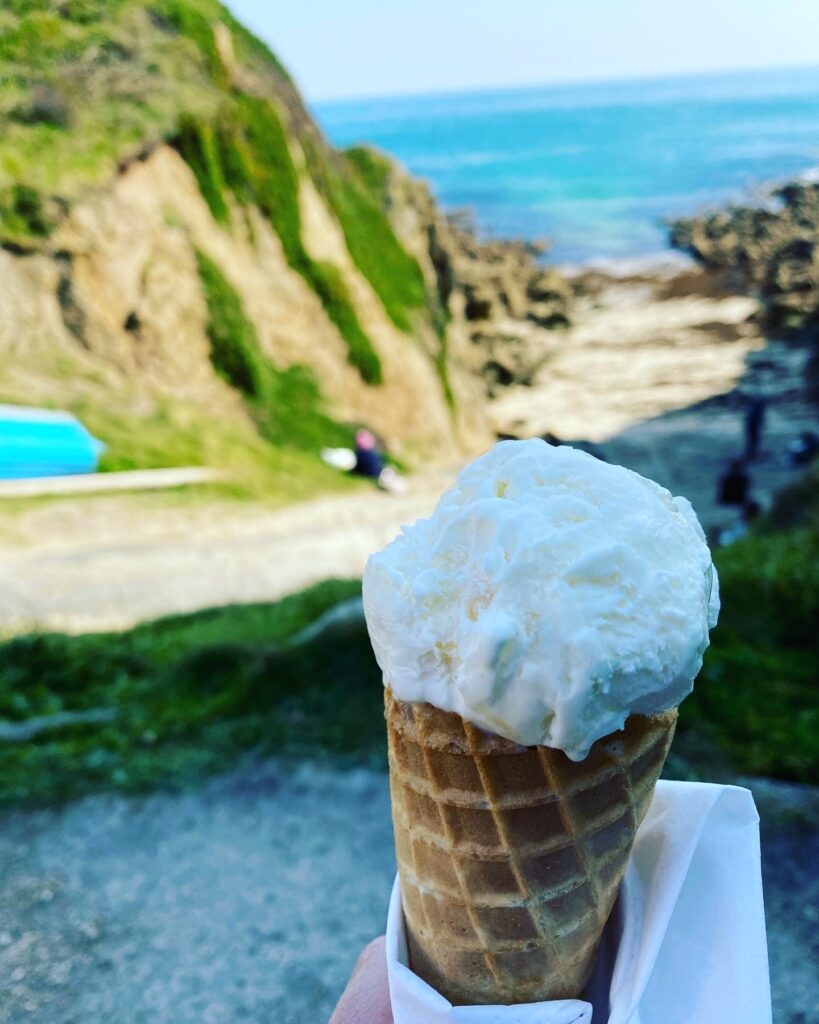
496, 294
193, 252
120, 294
772, 251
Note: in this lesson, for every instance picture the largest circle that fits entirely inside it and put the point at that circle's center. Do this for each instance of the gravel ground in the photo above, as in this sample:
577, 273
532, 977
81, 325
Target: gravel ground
250, 899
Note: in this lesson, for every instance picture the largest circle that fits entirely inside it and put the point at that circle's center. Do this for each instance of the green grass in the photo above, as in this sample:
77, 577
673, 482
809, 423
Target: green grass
175, 434
234, 345
395, 275
245, 154
199, 145
195, 22
87, 88
402, 287
117, 73
191, 695
23, 213
372, 167
83, 89
201, 14
286, 404
757, 700
328, 284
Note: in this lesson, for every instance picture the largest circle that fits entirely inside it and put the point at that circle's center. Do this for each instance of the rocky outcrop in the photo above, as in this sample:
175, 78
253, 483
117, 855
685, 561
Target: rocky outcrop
771, 250
497, 294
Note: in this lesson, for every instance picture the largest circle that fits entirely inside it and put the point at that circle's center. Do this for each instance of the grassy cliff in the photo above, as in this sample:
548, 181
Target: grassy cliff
86, 85
89, 87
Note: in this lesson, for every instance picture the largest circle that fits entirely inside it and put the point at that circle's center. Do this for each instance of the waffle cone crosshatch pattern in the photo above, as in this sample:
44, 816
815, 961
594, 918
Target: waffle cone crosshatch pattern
510, 857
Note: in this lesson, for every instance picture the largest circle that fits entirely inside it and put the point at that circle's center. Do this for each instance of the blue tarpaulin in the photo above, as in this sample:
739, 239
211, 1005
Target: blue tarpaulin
39, 442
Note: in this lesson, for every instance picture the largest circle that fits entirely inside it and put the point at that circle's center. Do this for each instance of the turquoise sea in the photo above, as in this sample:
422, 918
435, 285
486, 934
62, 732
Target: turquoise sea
595, 168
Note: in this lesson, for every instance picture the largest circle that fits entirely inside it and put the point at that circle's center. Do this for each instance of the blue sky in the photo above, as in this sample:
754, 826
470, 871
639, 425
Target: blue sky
344, 48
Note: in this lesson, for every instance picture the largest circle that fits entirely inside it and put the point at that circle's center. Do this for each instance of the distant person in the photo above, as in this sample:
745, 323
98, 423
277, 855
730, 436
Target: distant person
754, 425
803, 449
733, 485
368, 459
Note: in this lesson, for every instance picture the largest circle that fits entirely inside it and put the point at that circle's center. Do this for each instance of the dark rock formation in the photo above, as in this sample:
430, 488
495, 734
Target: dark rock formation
508, 298
498, 295
771, 250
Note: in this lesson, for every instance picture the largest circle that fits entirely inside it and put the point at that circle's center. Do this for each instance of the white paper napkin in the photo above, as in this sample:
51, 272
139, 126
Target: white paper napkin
686, 944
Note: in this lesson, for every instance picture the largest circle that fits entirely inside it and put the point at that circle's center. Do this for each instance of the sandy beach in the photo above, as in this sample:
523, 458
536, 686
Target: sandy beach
639, 347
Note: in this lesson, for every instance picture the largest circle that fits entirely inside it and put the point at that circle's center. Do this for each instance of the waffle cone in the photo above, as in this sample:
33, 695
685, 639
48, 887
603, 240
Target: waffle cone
510, 857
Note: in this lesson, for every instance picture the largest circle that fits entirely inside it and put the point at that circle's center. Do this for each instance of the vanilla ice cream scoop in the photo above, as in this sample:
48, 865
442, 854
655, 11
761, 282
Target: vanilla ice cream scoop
549, 596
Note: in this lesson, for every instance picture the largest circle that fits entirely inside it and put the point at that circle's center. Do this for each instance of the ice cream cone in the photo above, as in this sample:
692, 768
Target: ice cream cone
510, 857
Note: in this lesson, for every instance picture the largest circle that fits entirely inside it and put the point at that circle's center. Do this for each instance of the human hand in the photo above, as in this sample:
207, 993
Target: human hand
366, 1000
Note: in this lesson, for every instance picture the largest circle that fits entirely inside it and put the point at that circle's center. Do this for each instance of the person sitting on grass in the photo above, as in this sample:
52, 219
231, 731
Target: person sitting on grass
366, 459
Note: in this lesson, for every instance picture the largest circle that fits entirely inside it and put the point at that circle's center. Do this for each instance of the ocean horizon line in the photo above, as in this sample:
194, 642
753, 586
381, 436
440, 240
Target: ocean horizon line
562, 84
